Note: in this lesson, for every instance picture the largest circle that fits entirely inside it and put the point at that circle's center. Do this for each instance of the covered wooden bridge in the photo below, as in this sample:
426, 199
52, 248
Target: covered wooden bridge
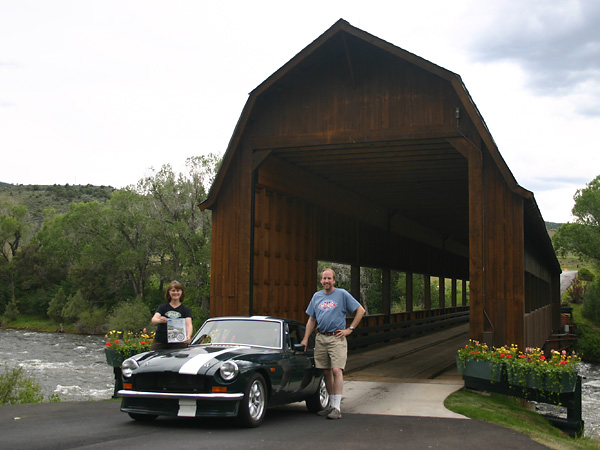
359, 152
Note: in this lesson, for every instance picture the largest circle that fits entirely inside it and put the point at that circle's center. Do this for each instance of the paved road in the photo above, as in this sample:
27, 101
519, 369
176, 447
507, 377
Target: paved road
566, 279
100, 425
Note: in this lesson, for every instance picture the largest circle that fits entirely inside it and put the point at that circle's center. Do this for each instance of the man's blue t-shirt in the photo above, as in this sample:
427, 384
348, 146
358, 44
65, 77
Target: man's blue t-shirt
330, 310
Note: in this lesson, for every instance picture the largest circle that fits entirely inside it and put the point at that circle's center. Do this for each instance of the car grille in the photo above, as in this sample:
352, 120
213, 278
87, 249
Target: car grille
169, 382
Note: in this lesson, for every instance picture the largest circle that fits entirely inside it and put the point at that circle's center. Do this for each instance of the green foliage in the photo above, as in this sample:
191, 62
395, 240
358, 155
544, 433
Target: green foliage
575, 292
107, 245
37, 198
76, 304
591, 303
92, 321
55, 308
588, 336
132, 315
17, 387
582, 237
199, 316
585, 274
11, 312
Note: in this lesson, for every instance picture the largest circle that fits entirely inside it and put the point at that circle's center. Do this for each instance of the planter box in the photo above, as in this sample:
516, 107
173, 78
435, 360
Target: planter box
113, 358
566, 383
485, 370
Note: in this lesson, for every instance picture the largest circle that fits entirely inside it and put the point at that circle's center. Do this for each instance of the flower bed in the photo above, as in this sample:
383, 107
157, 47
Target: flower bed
121, 345
530, 368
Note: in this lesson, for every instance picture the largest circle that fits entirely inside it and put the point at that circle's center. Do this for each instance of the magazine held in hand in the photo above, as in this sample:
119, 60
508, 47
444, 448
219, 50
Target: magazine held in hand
176, 331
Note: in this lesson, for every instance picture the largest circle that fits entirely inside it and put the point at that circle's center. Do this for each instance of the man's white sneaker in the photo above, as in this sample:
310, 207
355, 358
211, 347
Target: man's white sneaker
334, 414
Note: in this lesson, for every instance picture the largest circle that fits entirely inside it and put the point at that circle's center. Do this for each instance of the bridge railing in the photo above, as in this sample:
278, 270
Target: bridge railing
365, 336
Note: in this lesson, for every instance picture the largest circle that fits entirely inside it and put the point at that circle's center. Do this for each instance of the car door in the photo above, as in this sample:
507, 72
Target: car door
300, 364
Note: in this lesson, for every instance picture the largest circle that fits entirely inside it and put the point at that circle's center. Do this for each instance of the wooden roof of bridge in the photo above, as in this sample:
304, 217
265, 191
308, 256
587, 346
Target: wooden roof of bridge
415, 171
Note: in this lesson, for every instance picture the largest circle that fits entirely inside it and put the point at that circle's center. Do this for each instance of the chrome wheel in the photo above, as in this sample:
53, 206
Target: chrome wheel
320, 399
254, 404
256, 400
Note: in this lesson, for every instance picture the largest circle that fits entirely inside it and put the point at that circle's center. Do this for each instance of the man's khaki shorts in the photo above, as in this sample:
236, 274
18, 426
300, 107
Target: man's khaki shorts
330, 352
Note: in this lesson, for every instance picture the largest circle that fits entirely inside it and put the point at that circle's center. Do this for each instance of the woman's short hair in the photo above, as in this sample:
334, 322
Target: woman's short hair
174, 285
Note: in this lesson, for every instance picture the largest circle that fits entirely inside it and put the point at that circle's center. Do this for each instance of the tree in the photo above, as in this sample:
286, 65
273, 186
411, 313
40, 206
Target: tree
583, 236
74, 306
182, 230
56, 306
13, 228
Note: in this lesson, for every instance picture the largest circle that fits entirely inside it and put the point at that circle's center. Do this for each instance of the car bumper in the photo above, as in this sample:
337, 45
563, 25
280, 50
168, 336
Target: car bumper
177, 395
180, 404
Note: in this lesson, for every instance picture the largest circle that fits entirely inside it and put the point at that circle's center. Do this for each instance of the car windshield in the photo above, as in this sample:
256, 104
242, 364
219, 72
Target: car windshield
256, 333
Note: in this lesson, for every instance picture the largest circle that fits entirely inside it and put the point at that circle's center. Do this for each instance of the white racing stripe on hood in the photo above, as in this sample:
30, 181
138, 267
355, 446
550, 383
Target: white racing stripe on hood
193, 365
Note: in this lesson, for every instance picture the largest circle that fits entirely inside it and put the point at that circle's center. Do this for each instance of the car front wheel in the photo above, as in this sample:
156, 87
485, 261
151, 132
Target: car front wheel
320, 399
254, 404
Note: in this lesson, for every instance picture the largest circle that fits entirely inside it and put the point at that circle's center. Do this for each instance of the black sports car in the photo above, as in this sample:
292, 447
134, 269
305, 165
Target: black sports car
234, 366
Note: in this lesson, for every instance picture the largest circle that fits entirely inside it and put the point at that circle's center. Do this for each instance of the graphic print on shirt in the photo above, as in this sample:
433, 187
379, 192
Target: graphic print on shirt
173, 314
328, 304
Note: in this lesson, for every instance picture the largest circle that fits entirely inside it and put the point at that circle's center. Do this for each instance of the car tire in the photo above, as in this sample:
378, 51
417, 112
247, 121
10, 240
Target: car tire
320, 399
254, 404
143, 417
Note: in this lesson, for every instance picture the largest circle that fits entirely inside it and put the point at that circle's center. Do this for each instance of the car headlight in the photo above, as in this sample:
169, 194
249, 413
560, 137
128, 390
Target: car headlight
128, 366
229, 370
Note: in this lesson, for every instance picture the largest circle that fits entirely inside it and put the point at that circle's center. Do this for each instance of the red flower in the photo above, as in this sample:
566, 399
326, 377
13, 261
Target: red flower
543, 358
108, 344
143, 342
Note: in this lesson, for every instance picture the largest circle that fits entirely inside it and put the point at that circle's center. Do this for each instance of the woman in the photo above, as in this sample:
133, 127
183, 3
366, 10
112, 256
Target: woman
172, 309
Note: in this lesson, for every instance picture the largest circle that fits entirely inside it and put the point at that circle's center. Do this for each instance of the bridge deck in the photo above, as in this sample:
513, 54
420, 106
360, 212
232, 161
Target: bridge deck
428, 357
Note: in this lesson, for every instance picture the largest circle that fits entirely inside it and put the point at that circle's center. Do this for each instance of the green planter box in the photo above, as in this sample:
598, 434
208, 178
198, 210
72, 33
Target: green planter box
566, 383
485, 370
113, 358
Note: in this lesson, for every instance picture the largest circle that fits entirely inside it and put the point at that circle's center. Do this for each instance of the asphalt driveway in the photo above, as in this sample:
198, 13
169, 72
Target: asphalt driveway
100, 425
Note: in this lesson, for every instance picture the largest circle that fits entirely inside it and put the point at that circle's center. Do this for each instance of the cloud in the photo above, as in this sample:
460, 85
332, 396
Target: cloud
539, 184
556, 44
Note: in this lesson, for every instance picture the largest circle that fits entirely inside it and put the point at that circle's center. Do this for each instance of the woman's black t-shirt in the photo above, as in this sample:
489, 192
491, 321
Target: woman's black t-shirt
167, 310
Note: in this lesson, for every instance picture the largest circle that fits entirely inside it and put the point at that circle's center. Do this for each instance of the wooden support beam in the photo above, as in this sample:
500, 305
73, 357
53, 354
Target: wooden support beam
476, 235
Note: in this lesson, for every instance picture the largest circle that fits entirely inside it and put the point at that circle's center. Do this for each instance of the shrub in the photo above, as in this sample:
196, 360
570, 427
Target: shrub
11, 313
16, 387
132, 315
75, 305
591, 303
55, 308
585, 275
576, 291
588, 337
92, 321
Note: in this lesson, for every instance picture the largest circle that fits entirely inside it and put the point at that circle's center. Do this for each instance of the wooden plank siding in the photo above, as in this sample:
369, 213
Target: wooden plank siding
359, 152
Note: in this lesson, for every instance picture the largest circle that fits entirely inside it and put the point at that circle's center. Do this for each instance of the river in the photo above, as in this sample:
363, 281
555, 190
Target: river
74, 367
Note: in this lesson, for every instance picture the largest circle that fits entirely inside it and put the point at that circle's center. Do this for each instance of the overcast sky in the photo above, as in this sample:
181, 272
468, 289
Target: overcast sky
101, 91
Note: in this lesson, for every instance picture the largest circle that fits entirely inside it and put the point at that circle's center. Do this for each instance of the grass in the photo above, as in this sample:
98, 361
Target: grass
34, 323
508, 412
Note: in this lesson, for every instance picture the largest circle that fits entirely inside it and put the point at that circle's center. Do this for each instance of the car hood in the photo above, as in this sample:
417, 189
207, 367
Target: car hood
189, 361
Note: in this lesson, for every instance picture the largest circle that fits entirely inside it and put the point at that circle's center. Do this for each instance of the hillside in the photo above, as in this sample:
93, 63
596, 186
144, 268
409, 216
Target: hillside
37, 198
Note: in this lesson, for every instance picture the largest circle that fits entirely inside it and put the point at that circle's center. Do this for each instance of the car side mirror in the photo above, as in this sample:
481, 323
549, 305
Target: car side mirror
299, 348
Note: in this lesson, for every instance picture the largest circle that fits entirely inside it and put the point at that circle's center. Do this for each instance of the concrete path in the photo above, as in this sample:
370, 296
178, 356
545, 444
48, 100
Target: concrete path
407, 378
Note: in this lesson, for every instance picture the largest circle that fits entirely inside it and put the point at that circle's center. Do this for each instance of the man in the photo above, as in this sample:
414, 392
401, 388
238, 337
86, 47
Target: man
327, 313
